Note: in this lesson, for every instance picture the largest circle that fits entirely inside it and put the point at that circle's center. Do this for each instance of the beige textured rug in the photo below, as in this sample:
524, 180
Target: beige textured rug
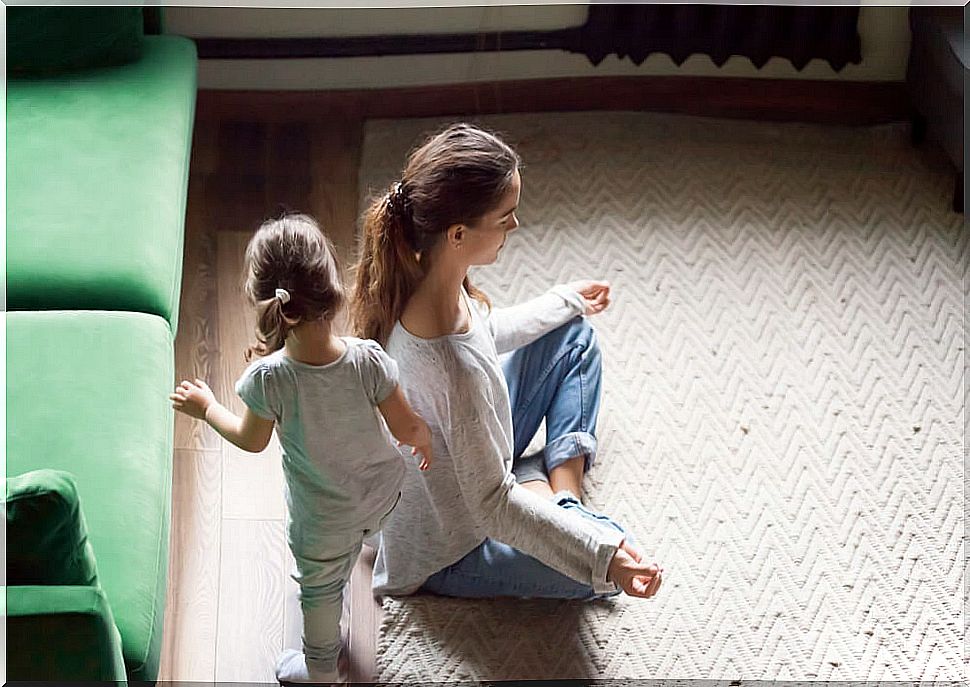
783, 414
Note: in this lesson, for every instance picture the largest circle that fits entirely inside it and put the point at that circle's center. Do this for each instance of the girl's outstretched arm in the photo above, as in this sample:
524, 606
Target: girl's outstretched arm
249, 432
407, 426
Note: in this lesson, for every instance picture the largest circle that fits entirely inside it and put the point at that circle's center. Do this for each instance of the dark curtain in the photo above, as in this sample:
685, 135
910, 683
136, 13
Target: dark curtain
757, 32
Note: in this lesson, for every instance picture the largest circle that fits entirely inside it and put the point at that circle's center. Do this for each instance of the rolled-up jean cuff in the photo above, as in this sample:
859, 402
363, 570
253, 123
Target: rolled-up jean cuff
568, 446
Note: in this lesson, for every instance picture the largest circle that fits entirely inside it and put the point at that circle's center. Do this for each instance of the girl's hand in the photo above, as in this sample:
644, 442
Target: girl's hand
633, 576
425, 453
192, 398
595, 293
406, 425
422, 446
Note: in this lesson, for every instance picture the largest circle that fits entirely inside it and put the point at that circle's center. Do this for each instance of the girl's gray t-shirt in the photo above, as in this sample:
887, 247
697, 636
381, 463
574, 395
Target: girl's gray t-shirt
456, 384
341, 467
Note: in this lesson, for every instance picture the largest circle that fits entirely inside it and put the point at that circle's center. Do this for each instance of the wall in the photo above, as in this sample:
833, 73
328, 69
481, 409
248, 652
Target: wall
884, 32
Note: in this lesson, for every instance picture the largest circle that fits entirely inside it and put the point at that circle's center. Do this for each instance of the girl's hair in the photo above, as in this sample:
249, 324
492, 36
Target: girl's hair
290, 253
454, 177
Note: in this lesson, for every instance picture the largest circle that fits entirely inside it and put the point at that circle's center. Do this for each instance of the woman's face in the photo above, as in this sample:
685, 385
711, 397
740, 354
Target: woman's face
485, 239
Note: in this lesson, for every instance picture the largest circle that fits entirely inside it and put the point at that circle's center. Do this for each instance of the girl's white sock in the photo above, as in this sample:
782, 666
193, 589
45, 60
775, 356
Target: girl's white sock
292, 668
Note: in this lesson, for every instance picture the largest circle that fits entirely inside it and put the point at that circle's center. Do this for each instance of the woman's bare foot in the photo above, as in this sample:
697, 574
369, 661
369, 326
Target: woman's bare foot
540, 487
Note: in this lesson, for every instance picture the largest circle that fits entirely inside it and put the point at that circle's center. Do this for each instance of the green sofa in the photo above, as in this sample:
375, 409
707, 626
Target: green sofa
98, 133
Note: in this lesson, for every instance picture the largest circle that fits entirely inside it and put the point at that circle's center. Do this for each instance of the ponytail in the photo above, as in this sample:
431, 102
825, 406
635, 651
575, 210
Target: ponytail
454, 177
388, 271
272, 326
292, 276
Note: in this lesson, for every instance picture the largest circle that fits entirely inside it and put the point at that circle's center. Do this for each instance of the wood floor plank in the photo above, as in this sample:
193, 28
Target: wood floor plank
205, 147
238, 201
250, 630
236, 320
288, 178
242, 194
364, 620
334, 161
195, 341
243, 145
253, 483
293, 616
189, 636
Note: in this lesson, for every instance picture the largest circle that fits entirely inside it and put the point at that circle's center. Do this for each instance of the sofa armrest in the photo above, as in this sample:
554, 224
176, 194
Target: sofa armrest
63, 634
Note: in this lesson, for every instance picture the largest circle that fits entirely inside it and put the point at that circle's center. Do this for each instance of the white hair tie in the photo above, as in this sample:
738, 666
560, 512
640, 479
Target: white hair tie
283, 295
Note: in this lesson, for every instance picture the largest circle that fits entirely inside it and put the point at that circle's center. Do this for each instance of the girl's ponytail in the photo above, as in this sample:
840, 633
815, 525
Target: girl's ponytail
272, 326
388, 270
292, 276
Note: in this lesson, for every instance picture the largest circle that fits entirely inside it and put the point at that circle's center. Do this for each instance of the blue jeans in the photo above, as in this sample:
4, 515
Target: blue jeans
556, 377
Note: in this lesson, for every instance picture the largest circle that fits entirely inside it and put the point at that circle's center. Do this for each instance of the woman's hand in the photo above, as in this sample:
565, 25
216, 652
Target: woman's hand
193, 398
633, 576
595, 293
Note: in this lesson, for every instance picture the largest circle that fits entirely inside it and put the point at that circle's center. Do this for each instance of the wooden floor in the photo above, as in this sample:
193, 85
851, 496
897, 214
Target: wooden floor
232, 605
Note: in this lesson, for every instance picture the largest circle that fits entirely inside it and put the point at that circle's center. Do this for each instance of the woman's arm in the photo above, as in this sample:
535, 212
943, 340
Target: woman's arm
477, 441
525, 322
571, 544
249, 432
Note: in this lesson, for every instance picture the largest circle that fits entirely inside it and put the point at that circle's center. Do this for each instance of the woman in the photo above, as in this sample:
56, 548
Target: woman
486, 521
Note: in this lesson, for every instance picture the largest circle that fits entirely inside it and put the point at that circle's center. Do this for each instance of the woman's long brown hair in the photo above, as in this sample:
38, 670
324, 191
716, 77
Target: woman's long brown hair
454, 177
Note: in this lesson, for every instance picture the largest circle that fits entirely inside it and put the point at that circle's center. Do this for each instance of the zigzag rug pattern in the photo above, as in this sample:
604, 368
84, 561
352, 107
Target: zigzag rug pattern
783, 413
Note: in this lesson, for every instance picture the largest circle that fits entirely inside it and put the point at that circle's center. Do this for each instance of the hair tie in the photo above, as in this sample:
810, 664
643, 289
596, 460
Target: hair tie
283, 296
399, 200
400, 206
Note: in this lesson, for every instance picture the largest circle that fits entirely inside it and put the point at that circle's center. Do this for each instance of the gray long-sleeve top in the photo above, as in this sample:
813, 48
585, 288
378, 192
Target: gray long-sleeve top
456, 384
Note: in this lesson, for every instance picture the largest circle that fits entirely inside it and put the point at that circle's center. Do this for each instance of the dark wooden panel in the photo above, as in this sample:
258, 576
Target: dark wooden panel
382, 45
825, 101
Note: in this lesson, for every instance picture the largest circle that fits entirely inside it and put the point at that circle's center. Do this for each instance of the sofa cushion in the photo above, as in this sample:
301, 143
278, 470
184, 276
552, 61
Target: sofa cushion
48, 39
97, 174
87, 392
47, 540
80, 643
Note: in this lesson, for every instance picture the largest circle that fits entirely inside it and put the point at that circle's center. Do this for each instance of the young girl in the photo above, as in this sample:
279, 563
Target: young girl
319, 391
